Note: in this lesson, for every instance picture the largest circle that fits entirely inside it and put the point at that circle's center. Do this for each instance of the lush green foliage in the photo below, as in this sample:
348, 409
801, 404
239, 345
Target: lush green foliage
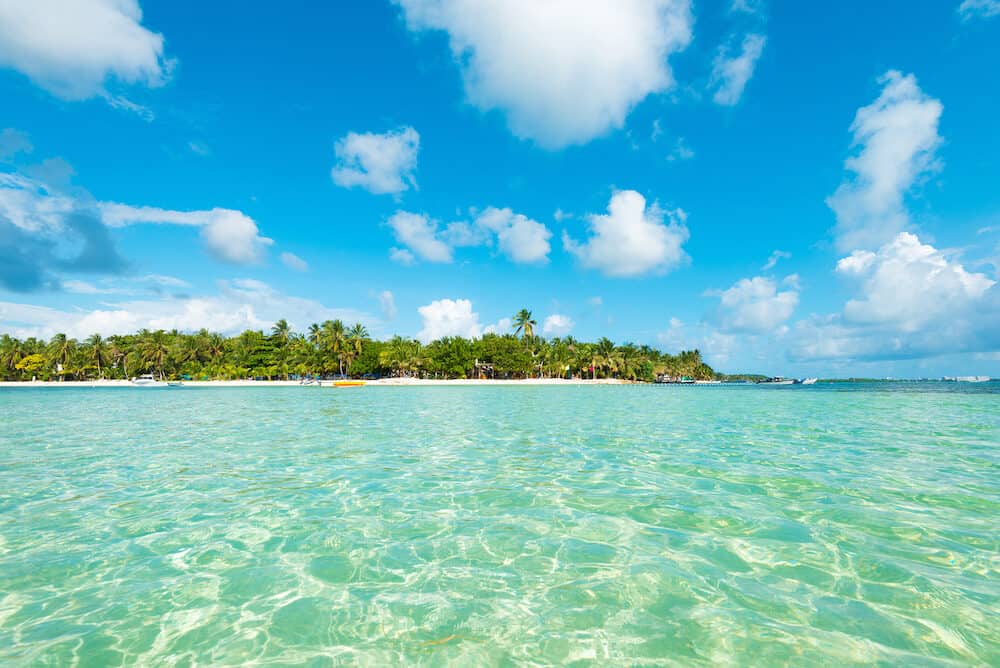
330, 348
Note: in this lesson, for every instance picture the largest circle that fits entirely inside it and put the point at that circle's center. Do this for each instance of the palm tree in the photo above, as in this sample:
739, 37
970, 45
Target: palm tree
97, 352
153, 350
524, 324
401, 355
12, 351
315, 335
60, 349
356, 339
605, 356
333, 340
281, 332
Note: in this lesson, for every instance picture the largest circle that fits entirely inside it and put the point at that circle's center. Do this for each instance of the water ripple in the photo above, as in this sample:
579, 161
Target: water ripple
491, 526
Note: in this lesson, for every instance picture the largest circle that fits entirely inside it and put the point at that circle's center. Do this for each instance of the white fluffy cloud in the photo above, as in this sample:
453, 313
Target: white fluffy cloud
755, 305
909, 284
563, 71
45, 232
970, 9
379, 163
632, 239
557, 325
518, 237
896, 136
238, 305
294, 262
229, 235
73, 48
731, 71
913, 300
420, 235
448, 317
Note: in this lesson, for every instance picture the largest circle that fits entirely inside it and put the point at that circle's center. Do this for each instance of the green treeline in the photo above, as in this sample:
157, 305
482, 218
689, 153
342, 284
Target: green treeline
331, 348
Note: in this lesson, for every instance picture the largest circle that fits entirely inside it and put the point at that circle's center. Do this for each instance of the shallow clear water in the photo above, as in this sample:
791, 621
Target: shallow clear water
501, 525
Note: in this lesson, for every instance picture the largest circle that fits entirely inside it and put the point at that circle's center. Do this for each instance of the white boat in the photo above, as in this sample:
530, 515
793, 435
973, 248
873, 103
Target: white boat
809, 381
777, 380
966, 379
147, 380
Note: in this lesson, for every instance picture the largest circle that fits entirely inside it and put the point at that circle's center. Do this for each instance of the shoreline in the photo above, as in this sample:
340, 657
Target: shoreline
382, 382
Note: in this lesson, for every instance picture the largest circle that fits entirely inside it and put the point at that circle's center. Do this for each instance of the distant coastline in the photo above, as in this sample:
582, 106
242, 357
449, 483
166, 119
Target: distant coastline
425, 382
382, 382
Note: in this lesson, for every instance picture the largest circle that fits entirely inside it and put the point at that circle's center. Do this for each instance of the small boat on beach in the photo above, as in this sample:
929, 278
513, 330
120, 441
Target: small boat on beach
148, 380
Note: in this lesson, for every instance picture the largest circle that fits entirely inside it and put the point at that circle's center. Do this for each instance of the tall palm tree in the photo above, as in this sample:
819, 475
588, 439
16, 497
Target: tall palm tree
118, 351
356, 337
315, 335
333, 340
59, 350
524, 324
12, 351
97, 352
281, 332
605, 355
215, 347
153, 350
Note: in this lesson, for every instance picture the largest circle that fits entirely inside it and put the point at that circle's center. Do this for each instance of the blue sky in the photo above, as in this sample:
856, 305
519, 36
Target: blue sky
790, 187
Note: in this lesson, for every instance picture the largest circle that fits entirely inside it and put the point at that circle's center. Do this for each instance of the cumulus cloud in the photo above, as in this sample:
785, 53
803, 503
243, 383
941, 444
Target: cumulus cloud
562, 71
44, 233
387, 302
775, 257
75, 48
731, 71
294, 262
632, 239
909, 284
913, 300
420, 235
755, 305
239, 304
379, 163
448, 317
229, 235
896, 138
557, 325
518, 237
971, 9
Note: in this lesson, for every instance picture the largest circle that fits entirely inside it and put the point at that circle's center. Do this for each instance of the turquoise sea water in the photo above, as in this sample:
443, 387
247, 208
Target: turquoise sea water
501, 526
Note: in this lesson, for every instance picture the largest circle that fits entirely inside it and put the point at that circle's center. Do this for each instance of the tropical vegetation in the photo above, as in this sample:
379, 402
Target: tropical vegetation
333, 349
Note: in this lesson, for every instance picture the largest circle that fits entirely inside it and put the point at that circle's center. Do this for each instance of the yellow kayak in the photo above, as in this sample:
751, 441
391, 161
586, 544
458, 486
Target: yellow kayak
348, 383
